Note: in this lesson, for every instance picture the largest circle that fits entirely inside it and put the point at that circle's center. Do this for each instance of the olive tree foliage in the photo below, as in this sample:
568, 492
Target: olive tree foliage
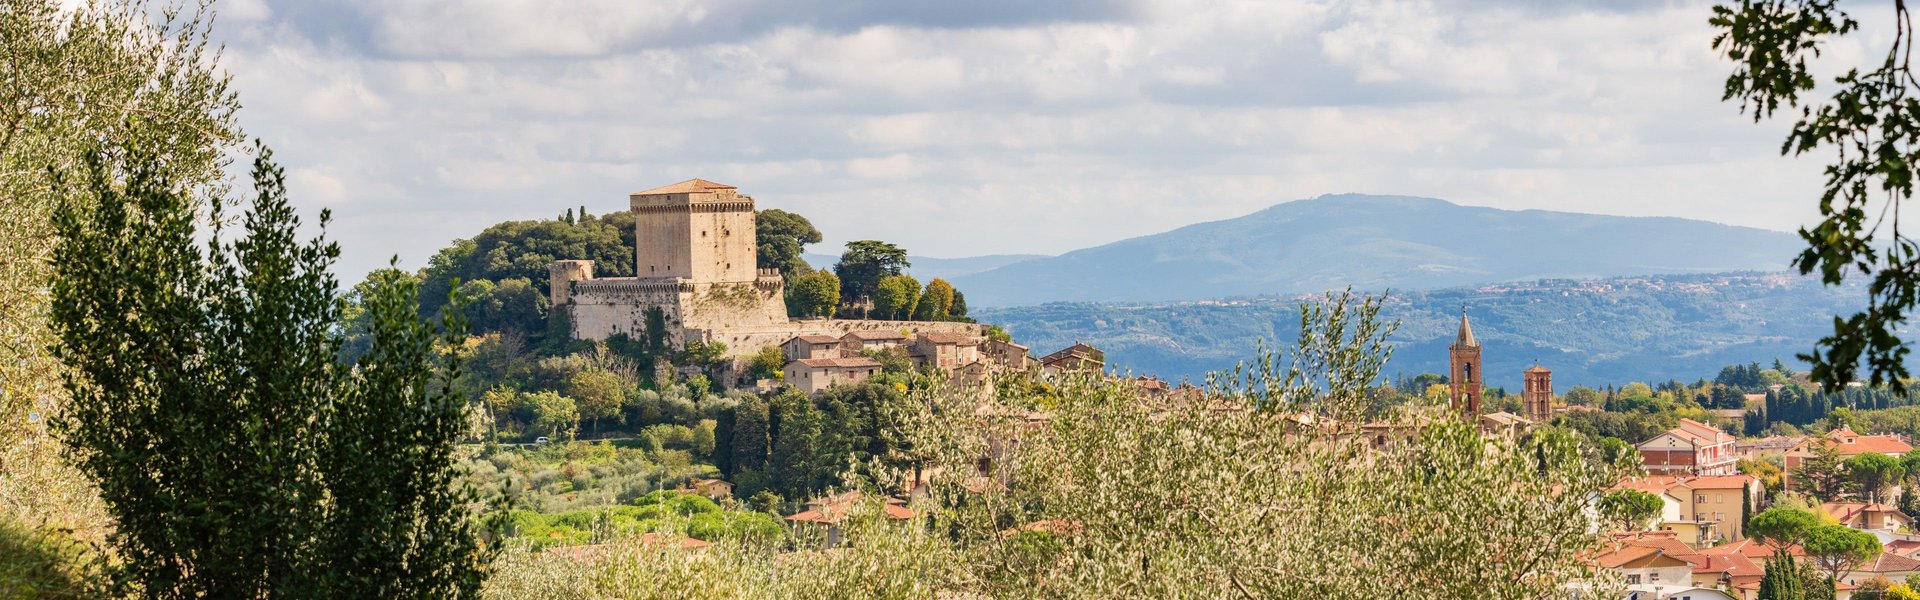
1871, 130
1251, 490
237, 456
101, 70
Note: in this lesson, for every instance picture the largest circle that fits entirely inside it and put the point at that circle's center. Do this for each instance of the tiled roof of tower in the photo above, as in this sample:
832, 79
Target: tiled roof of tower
1538, 369
686, 187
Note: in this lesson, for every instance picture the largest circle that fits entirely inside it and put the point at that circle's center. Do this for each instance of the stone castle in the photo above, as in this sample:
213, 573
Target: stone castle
695, 260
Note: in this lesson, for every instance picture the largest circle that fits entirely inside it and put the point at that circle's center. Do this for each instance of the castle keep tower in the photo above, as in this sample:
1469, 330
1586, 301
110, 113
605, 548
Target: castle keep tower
1466, 377
1537, 396
697, 230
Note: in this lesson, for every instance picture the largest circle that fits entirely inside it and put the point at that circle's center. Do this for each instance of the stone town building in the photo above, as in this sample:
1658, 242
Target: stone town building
815, 375
944, 351
695, 259
1465, 375
811, 346
1078, 357
1692, 448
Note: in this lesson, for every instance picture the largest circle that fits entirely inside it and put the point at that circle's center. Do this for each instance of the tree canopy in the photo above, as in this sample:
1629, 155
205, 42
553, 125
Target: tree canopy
782, 238
1867, 127
864, 264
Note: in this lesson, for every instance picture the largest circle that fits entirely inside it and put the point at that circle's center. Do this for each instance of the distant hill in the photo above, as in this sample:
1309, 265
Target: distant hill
1592, 332
1376, 242
928, 268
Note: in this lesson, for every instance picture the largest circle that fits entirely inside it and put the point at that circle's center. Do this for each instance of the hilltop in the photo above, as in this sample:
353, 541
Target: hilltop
1376, 243
1593, 332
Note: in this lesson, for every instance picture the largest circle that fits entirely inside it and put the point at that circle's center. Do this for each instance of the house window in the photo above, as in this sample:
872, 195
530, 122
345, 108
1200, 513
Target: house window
1655, 577
1633, 580
1699, 499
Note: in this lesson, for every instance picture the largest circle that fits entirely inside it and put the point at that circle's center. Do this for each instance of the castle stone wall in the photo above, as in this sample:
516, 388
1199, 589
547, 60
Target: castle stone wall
603, 307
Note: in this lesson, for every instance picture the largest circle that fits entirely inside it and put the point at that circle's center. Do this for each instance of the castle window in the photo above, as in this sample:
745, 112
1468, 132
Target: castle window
703, 233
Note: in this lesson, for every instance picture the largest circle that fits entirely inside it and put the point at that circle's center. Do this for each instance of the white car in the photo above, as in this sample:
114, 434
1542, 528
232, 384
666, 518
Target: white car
540, 440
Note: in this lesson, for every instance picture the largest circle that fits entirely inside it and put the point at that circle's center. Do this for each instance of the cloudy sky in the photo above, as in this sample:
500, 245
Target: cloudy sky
996, 126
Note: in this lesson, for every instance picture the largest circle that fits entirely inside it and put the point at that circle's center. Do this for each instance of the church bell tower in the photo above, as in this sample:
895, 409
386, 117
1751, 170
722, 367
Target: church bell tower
1467, 377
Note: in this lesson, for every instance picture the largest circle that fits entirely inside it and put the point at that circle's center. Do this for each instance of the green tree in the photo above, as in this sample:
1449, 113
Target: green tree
814, 294
209, 399
1874, 472
783, 237
597, 394
935, 302
1865, 127
553, 414
1581, 395
1632, 509
511, 305
1783, 526
896, 297
766, 363
526, 250
864, 264
1823, 474
1836, 549
1782, 579
959, 309
795, 431
709, 355
749, 440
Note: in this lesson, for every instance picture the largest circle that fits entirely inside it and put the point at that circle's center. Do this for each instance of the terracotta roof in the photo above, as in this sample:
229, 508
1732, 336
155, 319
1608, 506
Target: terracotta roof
1888, 562
1717, 482
1849, 443
1902, 547
1504, 418
689, 186
857, 362
817, 339
833, 509
1849, 512
1700, 433
866, 335
1752, 549
1732, 564
935, 337
1630, 554
1538, 369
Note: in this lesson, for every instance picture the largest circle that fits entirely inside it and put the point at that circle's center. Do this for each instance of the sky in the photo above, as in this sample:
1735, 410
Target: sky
997, 126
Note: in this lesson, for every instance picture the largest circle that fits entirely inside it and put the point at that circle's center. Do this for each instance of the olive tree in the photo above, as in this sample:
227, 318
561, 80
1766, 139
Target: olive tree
76, 73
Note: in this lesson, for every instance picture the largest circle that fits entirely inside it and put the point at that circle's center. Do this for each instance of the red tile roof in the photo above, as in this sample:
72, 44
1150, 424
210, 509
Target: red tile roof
686, 187
1888, 562
857, 362
1849, 443
935, 337
834, 509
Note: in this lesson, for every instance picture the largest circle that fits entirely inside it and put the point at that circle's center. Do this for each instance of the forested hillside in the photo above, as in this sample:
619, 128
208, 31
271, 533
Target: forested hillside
1590, 332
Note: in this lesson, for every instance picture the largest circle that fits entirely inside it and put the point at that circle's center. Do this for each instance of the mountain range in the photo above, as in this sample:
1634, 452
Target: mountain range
1589, 332
1367, 242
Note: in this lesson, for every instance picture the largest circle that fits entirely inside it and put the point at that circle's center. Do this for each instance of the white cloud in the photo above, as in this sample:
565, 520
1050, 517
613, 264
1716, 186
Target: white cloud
1015, 127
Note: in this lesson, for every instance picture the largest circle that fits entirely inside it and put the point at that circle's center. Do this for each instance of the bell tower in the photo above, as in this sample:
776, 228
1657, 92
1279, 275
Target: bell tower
1466, 376
1537, 396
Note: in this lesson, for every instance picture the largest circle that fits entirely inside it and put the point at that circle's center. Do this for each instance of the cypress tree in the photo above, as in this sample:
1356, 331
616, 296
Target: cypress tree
749, 440
1782, 580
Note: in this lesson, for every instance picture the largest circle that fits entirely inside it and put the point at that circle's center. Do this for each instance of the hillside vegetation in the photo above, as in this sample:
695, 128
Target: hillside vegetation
1592, 332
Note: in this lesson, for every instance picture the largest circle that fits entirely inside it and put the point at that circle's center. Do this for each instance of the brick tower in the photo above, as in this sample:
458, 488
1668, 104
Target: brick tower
1537, 396
1467, 378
